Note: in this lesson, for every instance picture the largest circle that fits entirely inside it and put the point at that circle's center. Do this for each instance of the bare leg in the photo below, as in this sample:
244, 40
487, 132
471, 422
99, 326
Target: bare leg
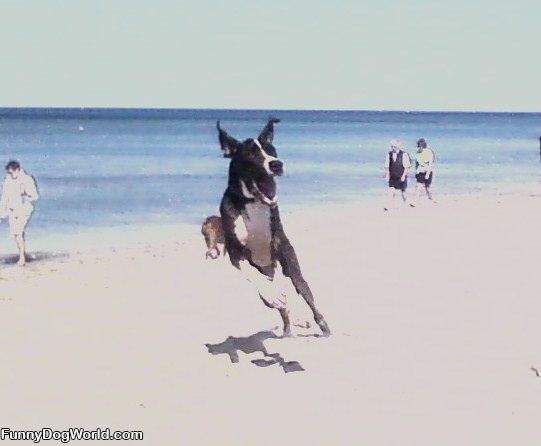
19, 241
428, 193
404, 196
417, 193
390, 198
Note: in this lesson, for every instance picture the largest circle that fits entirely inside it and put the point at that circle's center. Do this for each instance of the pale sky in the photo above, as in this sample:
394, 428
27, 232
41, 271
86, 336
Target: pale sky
472, 55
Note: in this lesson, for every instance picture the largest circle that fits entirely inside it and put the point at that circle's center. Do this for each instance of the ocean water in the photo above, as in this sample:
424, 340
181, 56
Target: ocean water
115, 168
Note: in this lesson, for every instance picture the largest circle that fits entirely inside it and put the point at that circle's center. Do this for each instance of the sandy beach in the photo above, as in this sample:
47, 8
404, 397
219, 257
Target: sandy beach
435, 313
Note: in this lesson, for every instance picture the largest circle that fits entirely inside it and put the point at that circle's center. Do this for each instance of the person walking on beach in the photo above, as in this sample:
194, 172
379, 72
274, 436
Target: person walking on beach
19, 191
397, 164
424, 164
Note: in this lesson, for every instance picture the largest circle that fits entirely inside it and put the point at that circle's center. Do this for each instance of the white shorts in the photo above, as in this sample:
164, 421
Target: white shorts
18, 222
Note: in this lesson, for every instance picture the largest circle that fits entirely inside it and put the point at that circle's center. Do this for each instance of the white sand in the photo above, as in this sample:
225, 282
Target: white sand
435, 312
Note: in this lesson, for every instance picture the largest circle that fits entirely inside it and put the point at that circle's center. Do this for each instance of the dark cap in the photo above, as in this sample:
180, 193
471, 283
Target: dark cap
13, 165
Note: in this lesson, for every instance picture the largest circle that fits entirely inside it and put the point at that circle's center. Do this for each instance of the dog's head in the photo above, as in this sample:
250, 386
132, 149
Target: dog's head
256, 158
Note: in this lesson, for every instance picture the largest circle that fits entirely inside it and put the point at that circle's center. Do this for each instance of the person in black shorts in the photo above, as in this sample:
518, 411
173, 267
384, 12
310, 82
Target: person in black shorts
397, 164
424, 166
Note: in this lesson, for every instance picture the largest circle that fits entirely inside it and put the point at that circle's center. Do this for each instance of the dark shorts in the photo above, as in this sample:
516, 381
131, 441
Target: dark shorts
421, 178
399, 185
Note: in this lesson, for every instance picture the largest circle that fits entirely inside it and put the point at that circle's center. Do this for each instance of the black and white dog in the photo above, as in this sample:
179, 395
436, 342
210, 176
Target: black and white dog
254, 236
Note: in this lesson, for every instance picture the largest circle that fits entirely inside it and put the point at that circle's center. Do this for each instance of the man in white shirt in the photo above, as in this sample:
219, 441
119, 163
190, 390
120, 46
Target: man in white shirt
397, 164
19, 191
424, 164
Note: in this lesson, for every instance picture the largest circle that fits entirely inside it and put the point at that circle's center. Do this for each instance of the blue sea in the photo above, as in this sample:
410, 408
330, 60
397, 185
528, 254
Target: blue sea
103, 168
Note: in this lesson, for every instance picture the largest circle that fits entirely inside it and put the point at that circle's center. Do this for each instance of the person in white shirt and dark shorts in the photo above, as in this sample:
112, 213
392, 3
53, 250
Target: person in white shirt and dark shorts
19, 191
424, 165
397, 164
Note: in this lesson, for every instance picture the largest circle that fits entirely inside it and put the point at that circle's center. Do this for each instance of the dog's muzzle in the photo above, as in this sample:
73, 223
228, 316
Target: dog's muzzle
276, 167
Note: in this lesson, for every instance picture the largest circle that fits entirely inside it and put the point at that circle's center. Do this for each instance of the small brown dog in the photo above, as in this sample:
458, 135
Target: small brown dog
214, 235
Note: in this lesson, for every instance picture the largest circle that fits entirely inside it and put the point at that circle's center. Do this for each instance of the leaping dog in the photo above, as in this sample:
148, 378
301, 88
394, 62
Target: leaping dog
254, 237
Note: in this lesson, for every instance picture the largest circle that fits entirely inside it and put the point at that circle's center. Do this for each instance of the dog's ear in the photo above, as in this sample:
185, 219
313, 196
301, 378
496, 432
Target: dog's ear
267, 134
228, 144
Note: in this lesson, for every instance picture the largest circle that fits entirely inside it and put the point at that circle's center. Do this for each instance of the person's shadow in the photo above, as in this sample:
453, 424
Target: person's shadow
252, 344
39, 256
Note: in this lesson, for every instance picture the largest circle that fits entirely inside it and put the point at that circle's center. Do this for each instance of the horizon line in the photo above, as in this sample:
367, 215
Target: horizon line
156, 108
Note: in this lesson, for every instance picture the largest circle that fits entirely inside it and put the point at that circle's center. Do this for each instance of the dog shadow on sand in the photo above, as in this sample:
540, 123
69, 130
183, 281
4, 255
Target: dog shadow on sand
252, 344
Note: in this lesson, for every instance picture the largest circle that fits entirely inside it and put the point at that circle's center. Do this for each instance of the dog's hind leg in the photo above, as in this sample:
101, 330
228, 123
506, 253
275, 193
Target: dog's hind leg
285, 254
269, 290
304, 290
291, 268
271, 294
284, 312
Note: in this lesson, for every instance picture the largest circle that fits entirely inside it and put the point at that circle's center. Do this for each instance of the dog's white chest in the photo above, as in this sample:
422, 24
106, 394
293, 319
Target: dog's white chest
257, 218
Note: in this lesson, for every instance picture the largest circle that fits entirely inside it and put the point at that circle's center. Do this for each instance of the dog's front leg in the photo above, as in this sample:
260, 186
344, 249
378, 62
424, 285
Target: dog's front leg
240, 230
234, 231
